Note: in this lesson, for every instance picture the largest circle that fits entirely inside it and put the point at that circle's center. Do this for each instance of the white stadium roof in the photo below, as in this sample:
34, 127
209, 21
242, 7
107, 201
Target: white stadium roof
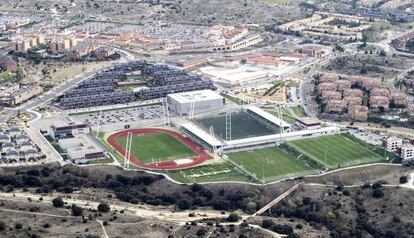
268, 116
205, 136
197, 96
284, 136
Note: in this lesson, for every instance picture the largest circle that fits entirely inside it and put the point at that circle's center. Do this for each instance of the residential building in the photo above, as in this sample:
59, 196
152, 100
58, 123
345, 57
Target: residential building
22, 95
393, 143
104, 52
358, 113
7, 64
407, 151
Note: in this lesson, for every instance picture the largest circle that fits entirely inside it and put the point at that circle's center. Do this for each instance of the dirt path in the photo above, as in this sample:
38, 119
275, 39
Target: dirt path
104, 235
157, 213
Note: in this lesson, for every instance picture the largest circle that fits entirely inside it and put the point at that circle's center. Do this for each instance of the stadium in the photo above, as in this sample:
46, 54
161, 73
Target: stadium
249, 128
157, 149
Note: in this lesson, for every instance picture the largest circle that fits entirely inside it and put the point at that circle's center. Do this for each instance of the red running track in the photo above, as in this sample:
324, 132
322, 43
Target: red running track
169, 165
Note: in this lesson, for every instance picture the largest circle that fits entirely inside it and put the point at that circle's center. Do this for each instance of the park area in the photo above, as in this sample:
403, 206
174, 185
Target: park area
271, 163
243, 125
335, 151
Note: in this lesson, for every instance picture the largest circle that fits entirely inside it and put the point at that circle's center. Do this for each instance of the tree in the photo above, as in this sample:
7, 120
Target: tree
330, 217
233, 217
76, 210
282, 229
58, 202
403, 179
266, 223
19, 73
377, 193
293, 235
18, 226
183, 204
201, 232
2, 226
103, 207
306, 200
376, 185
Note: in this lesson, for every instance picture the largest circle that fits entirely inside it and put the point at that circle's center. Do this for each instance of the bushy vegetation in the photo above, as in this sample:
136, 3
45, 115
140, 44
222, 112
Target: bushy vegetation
132, 188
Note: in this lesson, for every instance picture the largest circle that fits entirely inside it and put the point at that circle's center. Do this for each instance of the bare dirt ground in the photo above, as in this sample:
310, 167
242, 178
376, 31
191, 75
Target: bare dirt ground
234, 12
57, 72
370, 65
386, 173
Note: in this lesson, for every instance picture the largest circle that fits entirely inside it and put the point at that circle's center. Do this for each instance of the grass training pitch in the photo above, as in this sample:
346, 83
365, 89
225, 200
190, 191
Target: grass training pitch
210, 173
157, 147
243, 125
341, 151
272, 162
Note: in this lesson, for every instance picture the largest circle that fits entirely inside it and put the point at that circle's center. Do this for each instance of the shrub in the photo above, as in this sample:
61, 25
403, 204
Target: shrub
233, 217
282, 229
201, 232
196, 187
403, 179
377, 193
58, 202
299, 226
183, 204
376, 185
76, 210
307, 200
266, 223
2, 226
103, 207
293, 235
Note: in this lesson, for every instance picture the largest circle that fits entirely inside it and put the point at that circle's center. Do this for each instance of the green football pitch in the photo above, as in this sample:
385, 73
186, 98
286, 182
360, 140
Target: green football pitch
272, 163
340, 151
157, 147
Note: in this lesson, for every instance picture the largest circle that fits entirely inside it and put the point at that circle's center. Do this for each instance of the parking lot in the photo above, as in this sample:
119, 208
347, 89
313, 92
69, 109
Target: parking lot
122, 116
367, 136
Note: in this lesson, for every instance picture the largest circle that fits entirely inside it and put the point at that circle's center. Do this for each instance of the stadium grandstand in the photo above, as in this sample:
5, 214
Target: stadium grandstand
211, 140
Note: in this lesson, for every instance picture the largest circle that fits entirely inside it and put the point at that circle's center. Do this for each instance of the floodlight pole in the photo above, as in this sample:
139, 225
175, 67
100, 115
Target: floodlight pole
228, 126
99, 123
263, 162
126, 151
166, 112
130, 148
192, 108
280, 124
326, 154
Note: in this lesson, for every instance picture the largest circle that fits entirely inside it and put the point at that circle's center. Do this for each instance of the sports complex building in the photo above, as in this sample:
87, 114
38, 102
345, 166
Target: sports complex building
247, 129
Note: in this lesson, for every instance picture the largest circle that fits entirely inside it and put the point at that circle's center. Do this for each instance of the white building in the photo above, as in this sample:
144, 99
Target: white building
64, 129
407, 151
393, 143
202, 101
81, 149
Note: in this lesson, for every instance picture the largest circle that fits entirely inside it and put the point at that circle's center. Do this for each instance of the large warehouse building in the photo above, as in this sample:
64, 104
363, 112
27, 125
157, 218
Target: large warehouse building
201, 101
